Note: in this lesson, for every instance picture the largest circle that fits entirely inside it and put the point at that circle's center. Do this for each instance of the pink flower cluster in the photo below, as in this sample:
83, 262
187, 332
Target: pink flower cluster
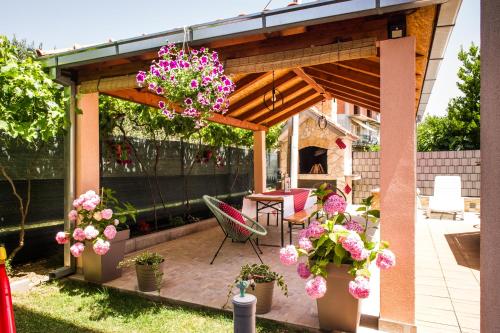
354, 244
386, 259
316, 287
194, 80
360, 287
88, 201
303, 270
354, 226
334, 204
289, 255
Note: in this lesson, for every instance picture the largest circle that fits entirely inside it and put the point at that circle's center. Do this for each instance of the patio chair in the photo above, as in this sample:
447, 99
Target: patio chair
235, 225
447, 196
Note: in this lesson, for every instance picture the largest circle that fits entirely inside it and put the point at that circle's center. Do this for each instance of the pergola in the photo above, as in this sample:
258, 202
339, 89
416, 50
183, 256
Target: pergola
381, 55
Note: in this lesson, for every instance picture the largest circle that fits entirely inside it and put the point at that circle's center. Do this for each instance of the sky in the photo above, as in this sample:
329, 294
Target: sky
63, 23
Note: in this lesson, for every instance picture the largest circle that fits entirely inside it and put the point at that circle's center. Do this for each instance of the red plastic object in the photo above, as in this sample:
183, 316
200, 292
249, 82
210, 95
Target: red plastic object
347, 189
7, 322
340, 143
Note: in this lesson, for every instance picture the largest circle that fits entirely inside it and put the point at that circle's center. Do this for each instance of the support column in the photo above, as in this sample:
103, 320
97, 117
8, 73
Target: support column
294, 152
259, 161
490, 160
398, 182
87, 144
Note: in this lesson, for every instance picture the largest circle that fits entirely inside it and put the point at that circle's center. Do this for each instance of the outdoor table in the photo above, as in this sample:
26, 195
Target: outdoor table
281, 202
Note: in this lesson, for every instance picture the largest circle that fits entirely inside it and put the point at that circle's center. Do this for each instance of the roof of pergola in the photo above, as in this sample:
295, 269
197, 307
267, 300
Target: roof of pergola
314, 51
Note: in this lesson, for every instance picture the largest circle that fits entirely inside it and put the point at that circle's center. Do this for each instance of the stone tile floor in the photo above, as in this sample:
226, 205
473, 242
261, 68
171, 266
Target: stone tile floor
447, 277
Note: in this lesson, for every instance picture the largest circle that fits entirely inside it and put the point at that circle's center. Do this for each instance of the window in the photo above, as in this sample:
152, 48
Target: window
356, 109
369, 113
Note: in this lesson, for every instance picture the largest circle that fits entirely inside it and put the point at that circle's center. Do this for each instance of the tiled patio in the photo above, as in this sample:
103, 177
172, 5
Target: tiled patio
447, 275
447, 279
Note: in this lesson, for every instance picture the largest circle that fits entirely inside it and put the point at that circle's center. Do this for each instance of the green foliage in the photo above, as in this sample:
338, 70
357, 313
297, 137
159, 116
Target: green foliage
145, 258
460, 128
31, 104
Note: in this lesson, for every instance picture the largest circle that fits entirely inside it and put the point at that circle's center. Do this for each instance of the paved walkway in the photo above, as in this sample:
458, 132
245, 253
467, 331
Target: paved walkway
447, 275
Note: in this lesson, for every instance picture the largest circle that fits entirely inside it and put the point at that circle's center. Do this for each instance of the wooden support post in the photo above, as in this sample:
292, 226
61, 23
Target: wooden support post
398, 182
259, 161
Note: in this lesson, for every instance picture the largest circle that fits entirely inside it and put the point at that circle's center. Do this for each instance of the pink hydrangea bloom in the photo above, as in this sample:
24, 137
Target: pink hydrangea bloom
360, 287
315, 230
361, 255
316, 287
116, 222
303, 233
97, 216
62, 237
289, 255
72, 215
338, 228
90, 232
110, 232
303, 270
89, 205
107, 214
78, 202
352, 242
77, 249
334, 204
354, 226
386, 259
101, 247
79, 234
305, 244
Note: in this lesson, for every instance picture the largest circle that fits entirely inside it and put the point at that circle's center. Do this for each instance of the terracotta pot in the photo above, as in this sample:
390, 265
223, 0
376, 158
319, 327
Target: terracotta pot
338, 310
100, 269
264, 294
147, 279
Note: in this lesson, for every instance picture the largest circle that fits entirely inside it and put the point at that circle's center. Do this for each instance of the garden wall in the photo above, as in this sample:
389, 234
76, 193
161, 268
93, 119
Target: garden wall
429, 165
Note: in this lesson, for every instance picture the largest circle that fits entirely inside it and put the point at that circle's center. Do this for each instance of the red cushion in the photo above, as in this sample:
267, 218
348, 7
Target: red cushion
235, 214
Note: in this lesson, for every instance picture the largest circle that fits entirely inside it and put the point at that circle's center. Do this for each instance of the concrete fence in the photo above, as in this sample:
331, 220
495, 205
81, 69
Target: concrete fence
429, 165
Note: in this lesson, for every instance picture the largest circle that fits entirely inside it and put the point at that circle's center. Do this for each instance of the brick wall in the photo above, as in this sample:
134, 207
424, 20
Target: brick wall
429, 165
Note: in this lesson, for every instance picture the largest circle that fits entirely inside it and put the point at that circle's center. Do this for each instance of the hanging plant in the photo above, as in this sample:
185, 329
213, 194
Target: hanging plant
192, 82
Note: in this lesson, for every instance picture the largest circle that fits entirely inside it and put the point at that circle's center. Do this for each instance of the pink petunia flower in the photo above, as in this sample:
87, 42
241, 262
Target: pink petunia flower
386, 259
303, 270
62, 237
101, 247
90, 232
360, 287
316, 287
110, 232
79, 234
289, 255
72, 215
107, 214
77, 249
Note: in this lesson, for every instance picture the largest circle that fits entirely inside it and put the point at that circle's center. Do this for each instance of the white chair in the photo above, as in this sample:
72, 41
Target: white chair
447, 196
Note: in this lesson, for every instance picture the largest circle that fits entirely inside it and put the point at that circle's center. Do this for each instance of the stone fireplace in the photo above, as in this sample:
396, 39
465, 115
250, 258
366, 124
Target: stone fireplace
313, 160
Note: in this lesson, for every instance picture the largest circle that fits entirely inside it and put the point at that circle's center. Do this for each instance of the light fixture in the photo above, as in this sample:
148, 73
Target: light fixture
322, 122
273, 97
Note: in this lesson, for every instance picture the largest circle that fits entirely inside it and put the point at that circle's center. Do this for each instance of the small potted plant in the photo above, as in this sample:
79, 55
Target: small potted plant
149, 270
262, 280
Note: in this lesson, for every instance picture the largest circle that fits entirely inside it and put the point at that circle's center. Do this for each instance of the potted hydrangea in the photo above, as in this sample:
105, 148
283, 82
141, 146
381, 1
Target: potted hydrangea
262, 280
191, 81
338, 261
148, 268
99, 235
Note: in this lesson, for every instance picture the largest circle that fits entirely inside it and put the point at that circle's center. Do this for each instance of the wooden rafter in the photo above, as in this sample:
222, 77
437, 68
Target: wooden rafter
287, 105
362, 65
322, 77
257, 94
349, 74
152, 100
310, 81
357, 102
348, 91
295, 110
249, 80
355, 96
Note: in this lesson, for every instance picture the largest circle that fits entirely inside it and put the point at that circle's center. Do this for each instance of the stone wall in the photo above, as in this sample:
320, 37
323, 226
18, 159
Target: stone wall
429, 165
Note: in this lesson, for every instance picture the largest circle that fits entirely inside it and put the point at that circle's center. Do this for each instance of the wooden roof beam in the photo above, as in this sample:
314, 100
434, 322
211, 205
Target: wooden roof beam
295, 110
249, 81
354, 101
152, 100
323, 78
310, 81
364, 66
348, 91
350, 75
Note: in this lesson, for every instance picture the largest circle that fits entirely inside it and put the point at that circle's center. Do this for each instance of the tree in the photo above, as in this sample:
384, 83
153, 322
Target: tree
31, 114
459, 129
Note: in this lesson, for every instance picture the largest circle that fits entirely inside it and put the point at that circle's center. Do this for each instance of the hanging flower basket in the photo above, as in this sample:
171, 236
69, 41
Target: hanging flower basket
191, 81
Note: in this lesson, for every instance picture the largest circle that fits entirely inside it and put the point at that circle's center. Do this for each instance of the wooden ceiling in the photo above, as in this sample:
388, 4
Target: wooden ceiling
349, 72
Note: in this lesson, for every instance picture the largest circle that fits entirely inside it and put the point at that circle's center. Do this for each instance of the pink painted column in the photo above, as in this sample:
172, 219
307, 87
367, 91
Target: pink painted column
398, 182
87, 144
490, 160
259, 161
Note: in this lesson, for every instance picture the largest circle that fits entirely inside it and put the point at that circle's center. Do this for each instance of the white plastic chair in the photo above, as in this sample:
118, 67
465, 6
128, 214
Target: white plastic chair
447, 196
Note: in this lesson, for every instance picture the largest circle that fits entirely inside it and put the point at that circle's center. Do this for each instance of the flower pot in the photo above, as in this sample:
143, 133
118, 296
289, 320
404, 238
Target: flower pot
147, 278
338, 310
264, 294
100, 269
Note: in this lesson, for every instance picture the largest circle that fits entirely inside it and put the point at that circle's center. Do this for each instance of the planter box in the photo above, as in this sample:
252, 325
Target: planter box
101, 269
338, 310
146, 277
264, 294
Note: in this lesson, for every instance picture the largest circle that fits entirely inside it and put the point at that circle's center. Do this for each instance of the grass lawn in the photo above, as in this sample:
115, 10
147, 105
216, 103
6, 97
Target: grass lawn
66, 306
